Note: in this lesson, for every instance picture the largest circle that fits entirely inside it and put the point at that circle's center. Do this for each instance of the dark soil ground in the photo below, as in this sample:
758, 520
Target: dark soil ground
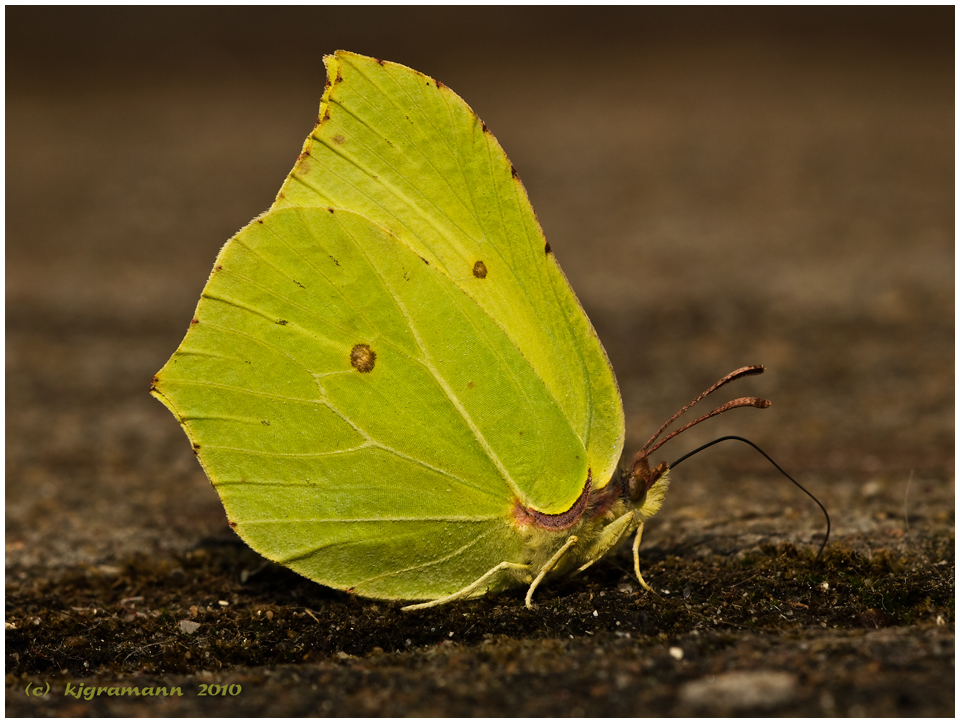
722, 188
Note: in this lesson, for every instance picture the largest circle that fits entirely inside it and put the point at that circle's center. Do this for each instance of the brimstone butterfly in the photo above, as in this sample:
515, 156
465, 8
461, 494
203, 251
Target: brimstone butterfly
388, 379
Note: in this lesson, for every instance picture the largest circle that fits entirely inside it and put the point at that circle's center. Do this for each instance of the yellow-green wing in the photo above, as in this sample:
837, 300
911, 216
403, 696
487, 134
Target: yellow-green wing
401, 149
364, 421
389, 360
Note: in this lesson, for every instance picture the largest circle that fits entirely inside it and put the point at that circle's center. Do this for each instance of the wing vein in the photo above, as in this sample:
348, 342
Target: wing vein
447, 391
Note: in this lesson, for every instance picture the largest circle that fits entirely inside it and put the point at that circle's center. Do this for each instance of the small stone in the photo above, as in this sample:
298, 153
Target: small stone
189, 626
740, 690
871, 488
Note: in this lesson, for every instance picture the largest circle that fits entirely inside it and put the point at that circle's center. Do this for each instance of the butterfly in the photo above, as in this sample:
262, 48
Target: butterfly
388, 379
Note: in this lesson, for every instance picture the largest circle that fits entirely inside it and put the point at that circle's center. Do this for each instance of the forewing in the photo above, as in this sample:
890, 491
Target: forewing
404, 151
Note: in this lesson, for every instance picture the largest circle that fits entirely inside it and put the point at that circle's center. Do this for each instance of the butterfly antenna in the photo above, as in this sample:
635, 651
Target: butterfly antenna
641, 477
807, 492
732, 376
732, 404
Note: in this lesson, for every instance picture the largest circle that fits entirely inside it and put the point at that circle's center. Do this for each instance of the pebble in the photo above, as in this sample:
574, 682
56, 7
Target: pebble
189, 626
740, 690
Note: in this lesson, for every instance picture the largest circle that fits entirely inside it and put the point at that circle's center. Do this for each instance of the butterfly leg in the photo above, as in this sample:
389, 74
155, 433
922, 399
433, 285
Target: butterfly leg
612, 535
636, 560
550, 564
471, 588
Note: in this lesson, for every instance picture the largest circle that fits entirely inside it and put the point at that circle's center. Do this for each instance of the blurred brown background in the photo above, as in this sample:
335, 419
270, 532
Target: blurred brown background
722, 187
